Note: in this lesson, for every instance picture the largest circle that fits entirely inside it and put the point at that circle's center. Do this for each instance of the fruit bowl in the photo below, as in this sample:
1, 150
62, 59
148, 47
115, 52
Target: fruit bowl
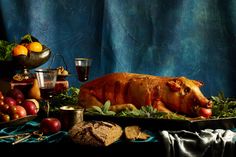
33, 59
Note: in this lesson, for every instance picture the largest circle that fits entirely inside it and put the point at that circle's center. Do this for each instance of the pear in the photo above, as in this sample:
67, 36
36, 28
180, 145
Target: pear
34, 92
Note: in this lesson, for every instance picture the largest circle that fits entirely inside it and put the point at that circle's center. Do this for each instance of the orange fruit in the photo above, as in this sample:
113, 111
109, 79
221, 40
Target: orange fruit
20, 50
35, 46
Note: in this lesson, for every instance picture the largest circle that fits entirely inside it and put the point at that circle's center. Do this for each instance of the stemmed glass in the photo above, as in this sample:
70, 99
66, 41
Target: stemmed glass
82, 67
47, 81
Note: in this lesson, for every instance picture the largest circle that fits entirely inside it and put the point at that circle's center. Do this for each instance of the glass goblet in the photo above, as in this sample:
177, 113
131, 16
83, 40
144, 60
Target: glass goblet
46, 81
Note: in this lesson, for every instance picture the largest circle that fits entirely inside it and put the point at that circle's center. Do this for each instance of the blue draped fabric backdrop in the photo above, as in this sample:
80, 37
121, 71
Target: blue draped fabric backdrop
192, 38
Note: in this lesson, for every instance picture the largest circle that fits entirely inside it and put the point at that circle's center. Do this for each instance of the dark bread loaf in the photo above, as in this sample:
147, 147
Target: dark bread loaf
96, 133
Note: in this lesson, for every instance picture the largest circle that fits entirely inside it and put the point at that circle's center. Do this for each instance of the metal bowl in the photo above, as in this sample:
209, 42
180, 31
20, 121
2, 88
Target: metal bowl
33, 59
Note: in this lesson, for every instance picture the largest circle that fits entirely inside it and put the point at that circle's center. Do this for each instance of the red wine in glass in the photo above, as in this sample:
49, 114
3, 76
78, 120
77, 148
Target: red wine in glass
83, 73
47, 93
82, 68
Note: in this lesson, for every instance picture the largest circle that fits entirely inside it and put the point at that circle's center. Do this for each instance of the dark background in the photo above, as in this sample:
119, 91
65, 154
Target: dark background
192, 38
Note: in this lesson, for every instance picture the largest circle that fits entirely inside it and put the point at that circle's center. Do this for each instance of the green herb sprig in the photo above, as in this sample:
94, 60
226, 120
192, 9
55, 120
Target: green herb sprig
104, 110
5, 50
143, 112
68, 97
223, 107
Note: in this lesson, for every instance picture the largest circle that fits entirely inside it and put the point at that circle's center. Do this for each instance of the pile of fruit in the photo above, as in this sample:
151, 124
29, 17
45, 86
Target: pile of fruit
26, 46
14, 105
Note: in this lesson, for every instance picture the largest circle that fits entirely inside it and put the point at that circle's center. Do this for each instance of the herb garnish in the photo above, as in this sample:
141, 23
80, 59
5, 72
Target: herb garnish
223, 107
143, 112
67, 97
5, 50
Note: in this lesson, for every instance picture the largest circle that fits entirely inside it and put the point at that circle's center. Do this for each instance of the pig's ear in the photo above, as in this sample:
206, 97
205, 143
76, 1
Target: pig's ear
198, 83
174, 85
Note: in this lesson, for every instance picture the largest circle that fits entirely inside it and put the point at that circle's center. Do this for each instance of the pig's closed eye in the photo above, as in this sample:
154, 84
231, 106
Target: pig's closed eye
187, 90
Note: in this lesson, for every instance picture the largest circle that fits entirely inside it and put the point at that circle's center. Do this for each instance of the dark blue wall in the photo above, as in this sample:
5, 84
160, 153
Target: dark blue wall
161, 37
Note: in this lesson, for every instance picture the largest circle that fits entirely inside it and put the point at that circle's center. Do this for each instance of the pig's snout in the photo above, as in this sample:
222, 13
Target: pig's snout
203, 108
203, 103
209, 104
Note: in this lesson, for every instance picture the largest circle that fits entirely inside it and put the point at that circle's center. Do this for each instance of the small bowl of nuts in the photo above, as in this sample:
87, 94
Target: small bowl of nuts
62, 73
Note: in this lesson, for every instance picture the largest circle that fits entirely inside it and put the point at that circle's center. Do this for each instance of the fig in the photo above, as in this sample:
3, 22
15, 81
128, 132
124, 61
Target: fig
10, 101
17, 95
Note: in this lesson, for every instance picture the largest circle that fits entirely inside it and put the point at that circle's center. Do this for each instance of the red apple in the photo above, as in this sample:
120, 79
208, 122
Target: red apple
30, 107
205, 112
35, 102
20, 111
50, 125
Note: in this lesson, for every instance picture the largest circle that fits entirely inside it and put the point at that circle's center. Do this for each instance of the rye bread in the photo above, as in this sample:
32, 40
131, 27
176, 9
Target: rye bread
95, 133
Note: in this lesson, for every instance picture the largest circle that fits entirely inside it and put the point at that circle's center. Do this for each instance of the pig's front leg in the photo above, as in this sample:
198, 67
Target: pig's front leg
160, 106
87, 100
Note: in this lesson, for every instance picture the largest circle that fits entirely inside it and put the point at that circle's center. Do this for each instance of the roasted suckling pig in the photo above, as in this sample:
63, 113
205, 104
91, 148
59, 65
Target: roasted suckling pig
167, 94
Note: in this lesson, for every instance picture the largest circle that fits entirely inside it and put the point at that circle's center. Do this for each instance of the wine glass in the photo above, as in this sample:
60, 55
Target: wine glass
47, 81
82, 67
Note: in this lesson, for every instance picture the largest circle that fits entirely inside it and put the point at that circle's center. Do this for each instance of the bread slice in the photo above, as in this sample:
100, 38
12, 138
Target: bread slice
134, 132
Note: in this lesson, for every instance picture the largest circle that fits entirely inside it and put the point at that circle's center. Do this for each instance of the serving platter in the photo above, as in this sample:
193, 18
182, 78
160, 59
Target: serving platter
168, 124
17, 122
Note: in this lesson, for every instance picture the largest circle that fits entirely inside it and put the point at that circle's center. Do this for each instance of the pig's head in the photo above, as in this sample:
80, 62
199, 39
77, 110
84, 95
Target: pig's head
184, 96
